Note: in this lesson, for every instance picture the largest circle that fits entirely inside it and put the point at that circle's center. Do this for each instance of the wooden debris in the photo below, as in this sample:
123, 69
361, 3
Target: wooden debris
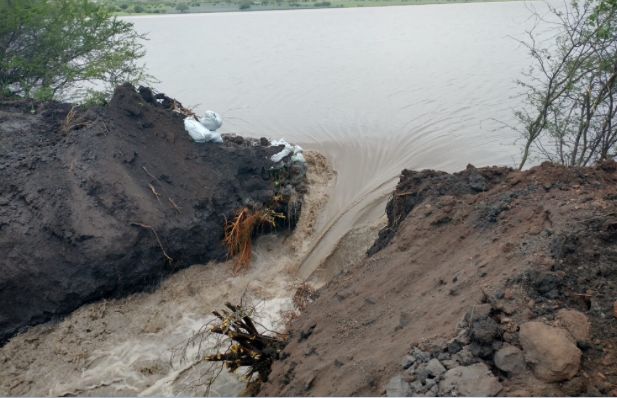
250, 348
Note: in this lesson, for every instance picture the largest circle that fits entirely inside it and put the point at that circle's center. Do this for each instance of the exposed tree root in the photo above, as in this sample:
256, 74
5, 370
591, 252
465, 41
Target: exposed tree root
233, 341
250, 348
239, 233
151, 228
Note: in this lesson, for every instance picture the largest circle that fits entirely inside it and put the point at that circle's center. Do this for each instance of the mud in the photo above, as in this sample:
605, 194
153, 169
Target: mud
133, 345
104, 202
463, 263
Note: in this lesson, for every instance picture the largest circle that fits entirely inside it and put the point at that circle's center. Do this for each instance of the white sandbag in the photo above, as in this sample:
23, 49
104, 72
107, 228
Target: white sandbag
199, 133
211, 120
298, 157
277, 157
296, 150
214, 137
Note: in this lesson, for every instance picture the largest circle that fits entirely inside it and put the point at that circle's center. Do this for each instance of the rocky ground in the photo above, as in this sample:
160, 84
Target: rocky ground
485, 282
107, 201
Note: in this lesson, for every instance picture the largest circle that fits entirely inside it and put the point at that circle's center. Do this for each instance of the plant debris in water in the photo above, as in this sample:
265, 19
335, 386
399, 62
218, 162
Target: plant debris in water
240, 344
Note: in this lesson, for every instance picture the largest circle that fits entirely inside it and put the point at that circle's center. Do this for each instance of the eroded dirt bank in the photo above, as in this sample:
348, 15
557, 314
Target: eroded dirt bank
105, 202
485, 282
133, 346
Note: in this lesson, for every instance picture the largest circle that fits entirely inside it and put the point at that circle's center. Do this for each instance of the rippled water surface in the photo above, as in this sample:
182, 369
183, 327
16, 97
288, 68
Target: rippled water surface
375, 89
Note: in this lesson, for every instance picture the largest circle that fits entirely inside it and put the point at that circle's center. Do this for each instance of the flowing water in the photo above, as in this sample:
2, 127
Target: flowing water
375, 90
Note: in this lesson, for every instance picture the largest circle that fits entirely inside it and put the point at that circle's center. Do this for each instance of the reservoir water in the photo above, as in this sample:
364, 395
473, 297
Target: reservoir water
374, 89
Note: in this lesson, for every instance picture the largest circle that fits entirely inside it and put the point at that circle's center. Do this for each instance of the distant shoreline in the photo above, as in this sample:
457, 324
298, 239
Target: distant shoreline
256, 6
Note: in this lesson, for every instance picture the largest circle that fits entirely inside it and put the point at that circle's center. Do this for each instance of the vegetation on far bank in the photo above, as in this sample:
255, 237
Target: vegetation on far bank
137, 7
57, 49
78, 49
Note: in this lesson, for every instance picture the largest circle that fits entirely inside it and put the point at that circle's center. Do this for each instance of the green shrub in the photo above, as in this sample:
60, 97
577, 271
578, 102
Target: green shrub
49, 48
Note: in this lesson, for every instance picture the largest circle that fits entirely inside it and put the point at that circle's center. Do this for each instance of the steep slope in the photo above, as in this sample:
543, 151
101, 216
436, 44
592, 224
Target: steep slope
105, 202
465, 262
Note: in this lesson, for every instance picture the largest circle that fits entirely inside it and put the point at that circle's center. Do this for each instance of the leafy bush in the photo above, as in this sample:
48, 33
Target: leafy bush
58, 48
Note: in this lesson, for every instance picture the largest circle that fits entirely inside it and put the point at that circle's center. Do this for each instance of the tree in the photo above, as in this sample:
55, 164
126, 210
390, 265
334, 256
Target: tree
56, 48
571, 102
182, 7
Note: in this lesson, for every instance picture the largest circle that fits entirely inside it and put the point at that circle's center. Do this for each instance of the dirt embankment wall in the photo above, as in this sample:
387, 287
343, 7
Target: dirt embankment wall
108, 201
484, 282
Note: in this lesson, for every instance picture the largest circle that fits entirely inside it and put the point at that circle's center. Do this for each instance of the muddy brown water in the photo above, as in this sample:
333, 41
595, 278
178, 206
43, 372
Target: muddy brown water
375, 90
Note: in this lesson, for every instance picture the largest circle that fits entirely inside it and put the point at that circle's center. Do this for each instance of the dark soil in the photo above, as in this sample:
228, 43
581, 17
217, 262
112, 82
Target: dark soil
113, 201
416, 186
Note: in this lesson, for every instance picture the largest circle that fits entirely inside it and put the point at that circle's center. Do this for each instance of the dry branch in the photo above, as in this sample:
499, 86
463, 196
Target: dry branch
156, 194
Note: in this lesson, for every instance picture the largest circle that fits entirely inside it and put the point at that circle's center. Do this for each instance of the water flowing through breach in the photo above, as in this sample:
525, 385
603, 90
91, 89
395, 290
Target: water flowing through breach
138, 345
375, 90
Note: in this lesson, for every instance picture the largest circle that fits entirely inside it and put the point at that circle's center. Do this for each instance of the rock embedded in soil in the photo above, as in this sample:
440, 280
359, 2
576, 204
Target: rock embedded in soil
397, 387
478, 312
465, 357
550, 351
407, 361
435, 368
450, 363
510, 359
474, 380
576, 323
484, 331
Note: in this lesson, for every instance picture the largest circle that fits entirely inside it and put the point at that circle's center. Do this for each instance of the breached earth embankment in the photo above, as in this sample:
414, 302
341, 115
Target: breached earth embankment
101, 203
485, 282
